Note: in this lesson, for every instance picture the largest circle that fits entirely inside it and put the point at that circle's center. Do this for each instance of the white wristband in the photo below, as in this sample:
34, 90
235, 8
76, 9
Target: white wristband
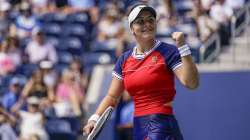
184, 50
94, 117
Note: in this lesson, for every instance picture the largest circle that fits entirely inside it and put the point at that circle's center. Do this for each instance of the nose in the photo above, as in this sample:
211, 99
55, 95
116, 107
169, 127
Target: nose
148, 25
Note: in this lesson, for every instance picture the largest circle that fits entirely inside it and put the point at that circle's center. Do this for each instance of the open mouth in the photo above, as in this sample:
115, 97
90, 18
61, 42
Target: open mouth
147, 30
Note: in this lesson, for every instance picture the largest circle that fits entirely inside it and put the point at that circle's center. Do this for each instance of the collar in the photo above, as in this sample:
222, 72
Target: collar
141, 56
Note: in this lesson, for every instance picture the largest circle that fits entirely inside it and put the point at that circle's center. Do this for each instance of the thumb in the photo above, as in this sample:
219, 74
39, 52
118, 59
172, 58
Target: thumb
178, 35
174, 35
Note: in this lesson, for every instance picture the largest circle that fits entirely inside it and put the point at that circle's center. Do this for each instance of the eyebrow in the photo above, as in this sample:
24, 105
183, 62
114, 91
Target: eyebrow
144, 17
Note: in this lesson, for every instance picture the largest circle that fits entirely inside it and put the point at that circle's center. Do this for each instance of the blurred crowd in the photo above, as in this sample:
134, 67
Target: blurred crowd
49, 47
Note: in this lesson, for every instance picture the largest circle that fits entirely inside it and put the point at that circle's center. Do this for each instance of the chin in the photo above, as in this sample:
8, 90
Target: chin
148, 36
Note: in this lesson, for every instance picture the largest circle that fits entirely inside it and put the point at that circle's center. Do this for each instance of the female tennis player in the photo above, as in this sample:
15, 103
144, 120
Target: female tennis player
147, 72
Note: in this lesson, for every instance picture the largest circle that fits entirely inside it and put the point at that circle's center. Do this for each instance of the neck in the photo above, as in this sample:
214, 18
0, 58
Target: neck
144, 46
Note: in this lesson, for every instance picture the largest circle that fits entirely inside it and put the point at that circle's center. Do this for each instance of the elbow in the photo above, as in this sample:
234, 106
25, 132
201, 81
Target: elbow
191, 84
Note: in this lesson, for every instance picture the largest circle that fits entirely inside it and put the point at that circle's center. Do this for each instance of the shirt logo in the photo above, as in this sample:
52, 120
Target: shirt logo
154, 59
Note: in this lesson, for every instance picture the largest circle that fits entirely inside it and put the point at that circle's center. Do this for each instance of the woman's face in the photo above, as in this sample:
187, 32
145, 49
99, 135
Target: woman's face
144, 26
75, 66
33, 108
38, 77
68, 77
13, 43
4, 47
39, 38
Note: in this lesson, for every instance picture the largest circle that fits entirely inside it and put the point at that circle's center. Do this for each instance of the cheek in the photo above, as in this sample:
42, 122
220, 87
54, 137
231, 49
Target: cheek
154, 26
136, 29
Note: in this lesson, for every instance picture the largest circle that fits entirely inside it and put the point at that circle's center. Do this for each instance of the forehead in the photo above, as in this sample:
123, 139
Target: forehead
144, 13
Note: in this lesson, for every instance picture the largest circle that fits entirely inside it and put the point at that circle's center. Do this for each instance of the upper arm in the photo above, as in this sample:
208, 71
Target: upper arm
51, 94
116, 88
171, 56
27, 88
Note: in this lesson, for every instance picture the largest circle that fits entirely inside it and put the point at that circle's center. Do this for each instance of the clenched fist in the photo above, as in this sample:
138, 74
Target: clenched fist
179, 38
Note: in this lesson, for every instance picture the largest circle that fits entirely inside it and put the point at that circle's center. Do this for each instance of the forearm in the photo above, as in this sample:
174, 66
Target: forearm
8, 116
16, 107
51, 94
106, 102
190, 76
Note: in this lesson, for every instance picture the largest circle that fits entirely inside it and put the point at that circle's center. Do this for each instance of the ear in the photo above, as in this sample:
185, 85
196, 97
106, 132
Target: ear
133, 32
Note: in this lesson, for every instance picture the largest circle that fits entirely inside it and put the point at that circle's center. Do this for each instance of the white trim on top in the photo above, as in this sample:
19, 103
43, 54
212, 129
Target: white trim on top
141, 56
116, 75
176, 66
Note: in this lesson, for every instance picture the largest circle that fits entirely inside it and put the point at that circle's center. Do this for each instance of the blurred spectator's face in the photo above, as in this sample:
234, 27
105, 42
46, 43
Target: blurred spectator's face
4, 47
4, 14
39, 38
13, 42
112, 14
33, 108
167, 1
68, 77
144, 26
111, 18
15, 88
46, 70
26, 12
2, 118
75, 66
38, 77
221, 1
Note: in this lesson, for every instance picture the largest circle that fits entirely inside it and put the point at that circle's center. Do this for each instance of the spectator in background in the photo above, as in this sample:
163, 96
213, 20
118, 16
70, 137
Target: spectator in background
60, 5
15, 2
39, 6
25, 22
32, 121
13, 49
81, 78
10, 55
206, 5
6, 121
205, 26
49, 75
167, 18
85, 6
4, 21
222, 14
12, 96
111, 32
38, 49
7, 64
235, 4
69, 96
36, 87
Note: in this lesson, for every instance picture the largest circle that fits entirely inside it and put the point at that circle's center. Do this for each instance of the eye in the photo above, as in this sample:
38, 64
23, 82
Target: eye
151, 19
139, 21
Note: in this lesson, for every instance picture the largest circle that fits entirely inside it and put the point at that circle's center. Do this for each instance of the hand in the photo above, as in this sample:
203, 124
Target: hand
179, 38
88, 127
